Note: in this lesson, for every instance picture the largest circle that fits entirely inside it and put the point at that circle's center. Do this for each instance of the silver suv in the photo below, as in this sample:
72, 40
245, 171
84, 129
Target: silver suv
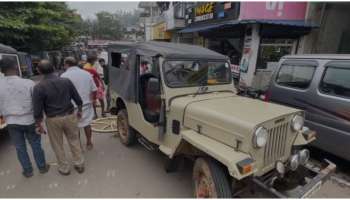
320, 85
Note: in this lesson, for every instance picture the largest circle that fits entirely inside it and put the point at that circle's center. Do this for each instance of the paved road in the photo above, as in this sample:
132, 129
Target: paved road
112, 171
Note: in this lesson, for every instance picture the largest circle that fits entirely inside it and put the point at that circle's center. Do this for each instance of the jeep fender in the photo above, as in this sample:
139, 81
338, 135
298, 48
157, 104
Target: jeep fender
226, 155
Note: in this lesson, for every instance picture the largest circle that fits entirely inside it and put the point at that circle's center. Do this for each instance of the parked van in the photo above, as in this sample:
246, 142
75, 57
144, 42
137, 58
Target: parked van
320, 85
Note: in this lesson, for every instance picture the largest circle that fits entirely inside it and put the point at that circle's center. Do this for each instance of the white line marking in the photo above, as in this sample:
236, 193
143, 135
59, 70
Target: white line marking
10, 187
111, 173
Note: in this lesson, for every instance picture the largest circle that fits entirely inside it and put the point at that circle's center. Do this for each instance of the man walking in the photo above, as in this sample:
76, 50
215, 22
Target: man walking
83, 82
17, 109
89, 67
53, 95
106, 81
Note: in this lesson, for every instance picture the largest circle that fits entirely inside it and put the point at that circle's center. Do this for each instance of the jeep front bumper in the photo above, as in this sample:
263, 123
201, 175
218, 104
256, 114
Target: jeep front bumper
315, 180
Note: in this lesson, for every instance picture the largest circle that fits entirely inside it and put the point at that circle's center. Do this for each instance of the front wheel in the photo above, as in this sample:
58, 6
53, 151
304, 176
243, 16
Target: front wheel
127, 134
210, 180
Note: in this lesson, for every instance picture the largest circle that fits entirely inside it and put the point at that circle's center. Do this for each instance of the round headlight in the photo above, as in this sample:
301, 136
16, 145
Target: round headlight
260, 137
304, 156
297, 123
294, 162
280, 167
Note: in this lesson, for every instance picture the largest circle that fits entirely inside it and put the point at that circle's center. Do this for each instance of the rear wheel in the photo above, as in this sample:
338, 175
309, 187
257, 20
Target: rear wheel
127, 134
210, 180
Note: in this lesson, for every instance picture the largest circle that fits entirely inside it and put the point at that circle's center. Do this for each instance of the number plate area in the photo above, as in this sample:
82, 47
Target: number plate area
313, 190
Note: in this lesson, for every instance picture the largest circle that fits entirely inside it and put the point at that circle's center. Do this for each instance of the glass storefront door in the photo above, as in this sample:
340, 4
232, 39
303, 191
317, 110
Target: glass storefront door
271, 50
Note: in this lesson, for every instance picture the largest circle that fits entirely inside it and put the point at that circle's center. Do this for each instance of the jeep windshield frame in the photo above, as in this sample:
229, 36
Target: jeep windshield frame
195, 72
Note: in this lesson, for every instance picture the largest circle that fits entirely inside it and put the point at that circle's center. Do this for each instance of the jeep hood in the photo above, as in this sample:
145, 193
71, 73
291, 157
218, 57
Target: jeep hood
221, 116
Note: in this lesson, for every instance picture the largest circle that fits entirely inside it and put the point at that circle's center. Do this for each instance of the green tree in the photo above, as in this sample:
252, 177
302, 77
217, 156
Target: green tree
107, 26
36, 26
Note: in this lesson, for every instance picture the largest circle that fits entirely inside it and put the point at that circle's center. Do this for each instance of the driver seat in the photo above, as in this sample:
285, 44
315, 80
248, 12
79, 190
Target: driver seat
150, 100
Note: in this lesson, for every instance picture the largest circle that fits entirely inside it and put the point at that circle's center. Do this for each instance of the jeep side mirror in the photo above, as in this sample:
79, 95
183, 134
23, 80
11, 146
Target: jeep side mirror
153, 86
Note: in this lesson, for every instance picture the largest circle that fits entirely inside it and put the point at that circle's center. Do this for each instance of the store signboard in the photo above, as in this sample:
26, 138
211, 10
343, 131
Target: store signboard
204, 12
211, 12
273, 10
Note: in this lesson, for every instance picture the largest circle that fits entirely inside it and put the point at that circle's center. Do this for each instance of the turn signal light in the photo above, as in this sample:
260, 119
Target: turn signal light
245, 166
246, 169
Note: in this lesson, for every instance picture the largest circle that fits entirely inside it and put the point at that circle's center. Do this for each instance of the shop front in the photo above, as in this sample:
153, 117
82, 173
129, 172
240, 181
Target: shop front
254, 35
211, 14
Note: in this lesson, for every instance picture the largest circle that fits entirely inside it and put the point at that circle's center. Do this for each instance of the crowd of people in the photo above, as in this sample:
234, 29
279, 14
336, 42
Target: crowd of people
59, 106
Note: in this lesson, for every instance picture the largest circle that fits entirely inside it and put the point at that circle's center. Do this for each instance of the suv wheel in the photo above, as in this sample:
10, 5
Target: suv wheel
127, 134
210, 180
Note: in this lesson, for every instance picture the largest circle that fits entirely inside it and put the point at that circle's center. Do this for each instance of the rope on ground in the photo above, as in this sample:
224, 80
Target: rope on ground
105, 125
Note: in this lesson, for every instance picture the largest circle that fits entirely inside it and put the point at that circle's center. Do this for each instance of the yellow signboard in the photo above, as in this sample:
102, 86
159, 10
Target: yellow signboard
159, 32
206, 8
204, 12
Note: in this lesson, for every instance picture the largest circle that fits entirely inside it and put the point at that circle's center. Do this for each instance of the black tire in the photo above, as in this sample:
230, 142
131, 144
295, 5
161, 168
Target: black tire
210, 179
127, 134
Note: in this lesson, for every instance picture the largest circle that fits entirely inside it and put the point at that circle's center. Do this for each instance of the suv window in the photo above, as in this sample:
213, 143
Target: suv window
296, 76
336, 81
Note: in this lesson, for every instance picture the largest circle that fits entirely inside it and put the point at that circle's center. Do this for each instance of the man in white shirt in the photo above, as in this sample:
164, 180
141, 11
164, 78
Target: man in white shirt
17, 109
85, 85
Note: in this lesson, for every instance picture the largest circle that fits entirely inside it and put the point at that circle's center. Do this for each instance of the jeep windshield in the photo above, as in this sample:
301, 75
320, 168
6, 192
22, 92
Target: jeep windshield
184, 73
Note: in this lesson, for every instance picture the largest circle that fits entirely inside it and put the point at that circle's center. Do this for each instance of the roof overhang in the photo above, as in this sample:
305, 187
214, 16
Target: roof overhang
302, 27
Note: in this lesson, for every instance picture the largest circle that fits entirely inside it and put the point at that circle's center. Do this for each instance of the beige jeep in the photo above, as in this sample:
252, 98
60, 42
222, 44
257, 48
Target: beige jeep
179, 99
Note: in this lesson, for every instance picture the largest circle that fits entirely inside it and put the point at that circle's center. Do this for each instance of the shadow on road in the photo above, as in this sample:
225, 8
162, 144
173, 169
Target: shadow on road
4, 138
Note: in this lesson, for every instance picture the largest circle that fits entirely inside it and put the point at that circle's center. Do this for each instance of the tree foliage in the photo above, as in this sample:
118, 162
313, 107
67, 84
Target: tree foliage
36, 26
109, 26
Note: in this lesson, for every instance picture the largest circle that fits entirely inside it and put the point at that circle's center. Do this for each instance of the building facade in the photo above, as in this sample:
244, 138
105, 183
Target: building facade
333, 34
148, 17
255, 35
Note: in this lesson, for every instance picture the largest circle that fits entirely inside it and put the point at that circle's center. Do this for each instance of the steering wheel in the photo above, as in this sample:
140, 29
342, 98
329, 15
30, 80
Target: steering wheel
180, 74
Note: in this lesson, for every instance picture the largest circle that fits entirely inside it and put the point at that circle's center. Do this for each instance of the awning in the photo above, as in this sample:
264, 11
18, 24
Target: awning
208, 27
292, 23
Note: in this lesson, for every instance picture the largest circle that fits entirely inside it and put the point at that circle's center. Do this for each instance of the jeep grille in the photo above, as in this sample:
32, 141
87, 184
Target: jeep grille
276, 143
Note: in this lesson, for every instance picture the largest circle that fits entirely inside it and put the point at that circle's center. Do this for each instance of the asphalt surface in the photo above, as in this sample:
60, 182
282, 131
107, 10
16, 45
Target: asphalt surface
115, 171
112, 171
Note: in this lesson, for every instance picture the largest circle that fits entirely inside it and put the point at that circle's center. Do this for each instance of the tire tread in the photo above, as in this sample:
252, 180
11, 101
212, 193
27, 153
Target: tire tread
220, 179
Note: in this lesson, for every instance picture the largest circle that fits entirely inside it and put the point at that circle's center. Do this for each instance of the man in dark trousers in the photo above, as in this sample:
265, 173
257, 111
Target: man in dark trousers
17, 109
53, 96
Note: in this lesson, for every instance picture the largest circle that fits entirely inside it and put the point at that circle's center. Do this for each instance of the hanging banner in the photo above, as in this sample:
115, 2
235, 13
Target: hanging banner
159, 32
